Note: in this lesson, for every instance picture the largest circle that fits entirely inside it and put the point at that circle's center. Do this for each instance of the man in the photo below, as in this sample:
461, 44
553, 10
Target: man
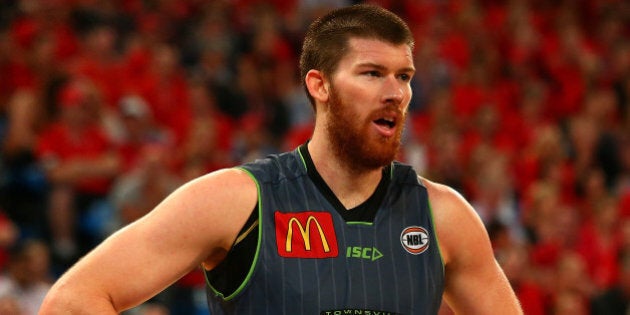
338, 227
26, 280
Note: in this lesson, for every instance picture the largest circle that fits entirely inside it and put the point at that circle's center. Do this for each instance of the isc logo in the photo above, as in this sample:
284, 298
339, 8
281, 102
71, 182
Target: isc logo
415, 239
307, 234
369, 253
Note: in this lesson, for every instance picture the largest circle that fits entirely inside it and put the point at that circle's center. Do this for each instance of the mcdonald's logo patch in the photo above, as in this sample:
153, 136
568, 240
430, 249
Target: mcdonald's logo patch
307, 234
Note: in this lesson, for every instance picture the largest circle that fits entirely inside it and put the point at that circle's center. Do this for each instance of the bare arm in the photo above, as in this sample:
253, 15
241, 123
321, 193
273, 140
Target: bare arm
475, 284
196, 224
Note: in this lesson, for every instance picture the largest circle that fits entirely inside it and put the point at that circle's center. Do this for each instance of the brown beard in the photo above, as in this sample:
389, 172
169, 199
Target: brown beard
353, 144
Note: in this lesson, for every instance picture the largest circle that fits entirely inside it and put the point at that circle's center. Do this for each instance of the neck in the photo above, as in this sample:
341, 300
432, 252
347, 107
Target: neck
351, 186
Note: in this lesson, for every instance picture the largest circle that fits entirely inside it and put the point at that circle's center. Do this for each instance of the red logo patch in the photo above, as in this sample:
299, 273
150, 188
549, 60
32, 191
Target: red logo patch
307, 234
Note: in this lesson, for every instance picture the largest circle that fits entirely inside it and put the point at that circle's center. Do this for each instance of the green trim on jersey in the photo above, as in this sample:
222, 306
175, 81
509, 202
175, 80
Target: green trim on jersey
437, 239
242, 286
359, 223
302, 158
391, 170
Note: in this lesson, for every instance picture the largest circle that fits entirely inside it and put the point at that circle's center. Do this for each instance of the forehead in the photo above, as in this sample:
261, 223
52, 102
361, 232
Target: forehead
373, 51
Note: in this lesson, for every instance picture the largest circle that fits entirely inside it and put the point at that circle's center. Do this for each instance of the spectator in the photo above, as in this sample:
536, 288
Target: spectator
141, 188
97, 58
9, 234
27, 279
137, 128
515, 262
209, 136
80, 163
493, 197
22, 193
212, 44
571, 290
165, 88
598, 241
614, 300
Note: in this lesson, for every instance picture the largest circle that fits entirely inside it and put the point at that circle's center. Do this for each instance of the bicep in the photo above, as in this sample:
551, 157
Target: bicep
198, 221
475, 284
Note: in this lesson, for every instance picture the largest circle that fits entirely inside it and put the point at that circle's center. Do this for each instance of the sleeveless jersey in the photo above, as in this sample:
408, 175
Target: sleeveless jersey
309, 260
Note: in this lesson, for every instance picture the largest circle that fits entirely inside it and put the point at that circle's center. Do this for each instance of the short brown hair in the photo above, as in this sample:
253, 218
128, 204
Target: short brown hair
327, 38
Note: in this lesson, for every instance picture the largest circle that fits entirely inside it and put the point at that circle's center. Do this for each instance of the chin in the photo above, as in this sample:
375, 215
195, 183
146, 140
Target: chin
378, 156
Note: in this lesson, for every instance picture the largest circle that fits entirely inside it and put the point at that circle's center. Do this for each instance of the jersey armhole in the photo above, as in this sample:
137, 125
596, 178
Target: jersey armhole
435, 234
249, 234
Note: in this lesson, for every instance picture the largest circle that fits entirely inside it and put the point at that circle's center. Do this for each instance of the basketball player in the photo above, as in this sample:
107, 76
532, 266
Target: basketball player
334, 227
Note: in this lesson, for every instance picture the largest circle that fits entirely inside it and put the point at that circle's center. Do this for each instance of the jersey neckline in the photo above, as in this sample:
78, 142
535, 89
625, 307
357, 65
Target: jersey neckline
366, 211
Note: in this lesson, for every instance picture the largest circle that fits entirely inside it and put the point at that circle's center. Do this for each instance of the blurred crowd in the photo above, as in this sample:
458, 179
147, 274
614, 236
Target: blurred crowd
522, 106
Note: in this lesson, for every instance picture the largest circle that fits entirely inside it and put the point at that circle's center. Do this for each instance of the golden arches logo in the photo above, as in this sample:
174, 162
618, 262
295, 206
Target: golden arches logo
306, 234
290, 226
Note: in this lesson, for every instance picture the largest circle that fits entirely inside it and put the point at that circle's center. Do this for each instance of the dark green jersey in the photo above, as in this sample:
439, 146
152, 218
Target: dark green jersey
309, 259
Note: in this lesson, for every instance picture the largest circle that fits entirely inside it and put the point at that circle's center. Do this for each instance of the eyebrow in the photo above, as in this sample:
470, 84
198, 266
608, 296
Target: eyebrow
382, 68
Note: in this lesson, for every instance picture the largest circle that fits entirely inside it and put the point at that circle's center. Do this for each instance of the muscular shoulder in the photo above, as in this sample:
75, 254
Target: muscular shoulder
440, 192
216, 204
222, 185
446, 202
457, 224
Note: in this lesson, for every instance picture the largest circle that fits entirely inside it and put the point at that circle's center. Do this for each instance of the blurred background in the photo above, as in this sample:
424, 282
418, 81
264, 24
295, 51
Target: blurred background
522, 106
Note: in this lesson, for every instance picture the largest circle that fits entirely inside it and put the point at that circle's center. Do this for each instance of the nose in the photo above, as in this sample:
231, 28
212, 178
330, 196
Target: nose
393, 91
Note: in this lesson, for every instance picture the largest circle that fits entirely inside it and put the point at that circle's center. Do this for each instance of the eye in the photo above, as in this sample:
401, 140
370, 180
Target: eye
373, 73
404, 77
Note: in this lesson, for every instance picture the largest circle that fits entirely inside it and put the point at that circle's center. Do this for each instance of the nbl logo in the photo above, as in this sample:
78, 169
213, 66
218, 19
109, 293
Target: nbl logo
415, 239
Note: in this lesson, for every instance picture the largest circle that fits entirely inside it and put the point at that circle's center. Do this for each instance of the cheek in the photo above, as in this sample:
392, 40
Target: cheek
408, 95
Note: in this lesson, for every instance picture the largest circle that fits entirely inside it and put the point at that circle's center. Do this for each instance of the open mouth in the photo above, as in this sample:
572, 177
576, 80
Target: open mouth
387, 122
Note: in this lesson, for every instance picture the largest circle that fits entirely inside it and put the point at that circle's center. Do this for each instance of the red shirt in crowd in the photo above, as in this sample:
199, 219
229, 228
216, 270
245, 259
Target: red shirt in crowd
58, 145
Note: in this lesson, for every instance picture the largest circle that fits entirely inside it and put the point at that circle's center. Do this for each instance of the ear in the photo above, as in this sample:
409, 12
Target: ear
317, 85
